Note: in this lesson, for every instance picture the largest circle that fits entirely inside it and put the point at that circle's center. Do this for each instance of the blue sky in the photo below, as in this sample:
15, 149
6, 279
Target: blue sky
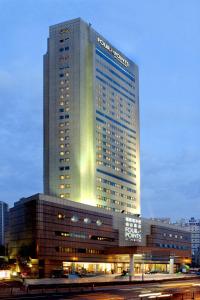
162, 37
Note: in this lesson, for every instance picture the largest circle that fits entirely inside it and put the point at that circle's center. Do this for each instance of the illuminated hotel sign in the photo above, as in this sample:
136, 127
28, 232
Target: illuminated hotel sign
133, 232
113, 52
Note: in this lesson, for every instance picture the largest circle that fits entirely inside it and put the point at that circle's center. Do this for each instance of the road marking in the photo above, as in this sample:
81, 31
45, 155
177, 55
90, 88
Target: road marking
25, 297
131, 289
149, 294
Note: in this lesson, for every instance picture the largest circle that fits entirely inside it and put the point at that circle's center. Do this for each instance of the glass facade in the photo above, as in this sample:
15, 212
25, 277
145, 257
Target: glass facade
115, 135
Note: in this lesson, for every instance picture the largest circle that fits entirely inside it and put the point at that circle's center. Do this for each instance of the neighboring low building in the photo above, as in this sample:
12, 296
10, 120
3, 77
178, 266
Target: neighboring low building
162, 220
3, 221
192, 225
61, 234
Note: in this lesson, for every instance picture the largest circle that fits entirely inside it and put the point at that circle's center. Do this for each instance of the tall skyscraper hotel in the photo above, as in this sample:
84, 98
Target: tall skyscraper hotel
88, 220
91, 120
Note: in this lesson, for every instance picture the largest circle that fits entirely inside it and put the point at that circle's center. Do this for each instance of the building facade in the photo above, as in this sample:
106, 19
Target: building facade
91, 120
3, 221
194, 228
62, 235
192, 225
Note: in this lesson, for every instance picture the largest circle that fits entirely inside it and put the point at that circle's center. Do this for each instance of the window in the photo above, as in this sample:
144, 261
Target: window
62, 177
78, 235
64, 30
64, 49
99, 222
101, 238
87, 220
74, 219
64, 168
60, 216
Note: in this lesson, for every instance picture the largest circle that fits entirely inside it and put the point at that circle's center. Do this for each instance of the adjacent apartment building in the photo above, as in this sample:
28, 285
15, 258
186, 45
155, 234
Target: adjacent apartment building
91, 120
3, 221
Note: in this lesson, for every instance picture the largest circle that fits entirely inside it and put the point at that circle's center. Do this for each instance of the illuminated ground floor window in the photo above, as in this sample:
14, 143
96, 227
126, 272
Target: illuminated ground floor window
114, 268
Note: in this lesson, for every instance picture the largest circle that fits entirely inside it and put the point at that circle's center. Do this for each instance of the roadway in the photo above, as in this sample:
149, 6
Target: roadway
185, 289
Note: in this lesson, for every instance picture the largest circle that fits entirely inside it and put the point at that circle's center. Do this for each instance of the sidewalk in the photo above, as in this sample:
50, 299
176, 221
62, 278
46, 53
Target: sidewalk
107, 278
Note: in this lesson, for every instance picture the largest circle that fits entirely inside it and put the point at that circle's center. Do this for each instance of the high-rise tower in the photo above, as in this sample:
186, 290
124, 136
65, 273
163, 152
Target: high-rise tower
91, 120
3, 221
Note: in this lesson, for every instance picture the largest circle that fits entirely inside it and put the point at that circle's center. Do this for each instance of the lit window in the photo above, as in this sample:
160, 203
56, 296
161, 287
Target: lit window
64, 30
87, 220
60, 216
98, 222
74, 219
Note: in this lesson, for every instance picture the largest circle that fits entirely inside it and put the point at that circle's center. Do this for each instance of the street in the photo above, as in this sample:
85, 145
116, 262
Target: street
184, 289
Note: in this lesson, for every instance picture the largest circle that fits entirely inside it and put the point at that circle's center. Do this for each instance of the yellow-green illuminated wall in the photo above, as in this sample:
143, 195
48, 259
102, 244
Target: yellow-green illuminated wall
87, 136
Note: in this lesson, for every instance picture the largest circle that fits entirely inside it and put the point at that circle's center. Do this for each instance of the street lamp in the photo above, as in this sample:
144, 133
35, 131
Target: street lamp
142, 266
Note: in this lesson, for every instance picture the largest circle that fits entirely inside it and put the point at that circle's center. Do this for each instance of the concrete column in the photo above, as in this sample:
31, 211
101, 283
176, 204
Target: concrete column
171, 266
131, 267
115, 268
73, 267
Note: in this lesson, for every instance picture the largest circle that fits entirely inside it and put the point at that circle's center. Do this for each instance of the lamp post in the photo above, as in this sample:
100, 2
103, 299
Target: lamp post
142, 266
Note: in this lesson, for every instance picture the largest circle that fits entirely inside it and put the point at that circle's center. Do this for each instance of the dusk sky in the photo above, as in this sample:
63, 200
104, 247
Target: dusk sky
163, 38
